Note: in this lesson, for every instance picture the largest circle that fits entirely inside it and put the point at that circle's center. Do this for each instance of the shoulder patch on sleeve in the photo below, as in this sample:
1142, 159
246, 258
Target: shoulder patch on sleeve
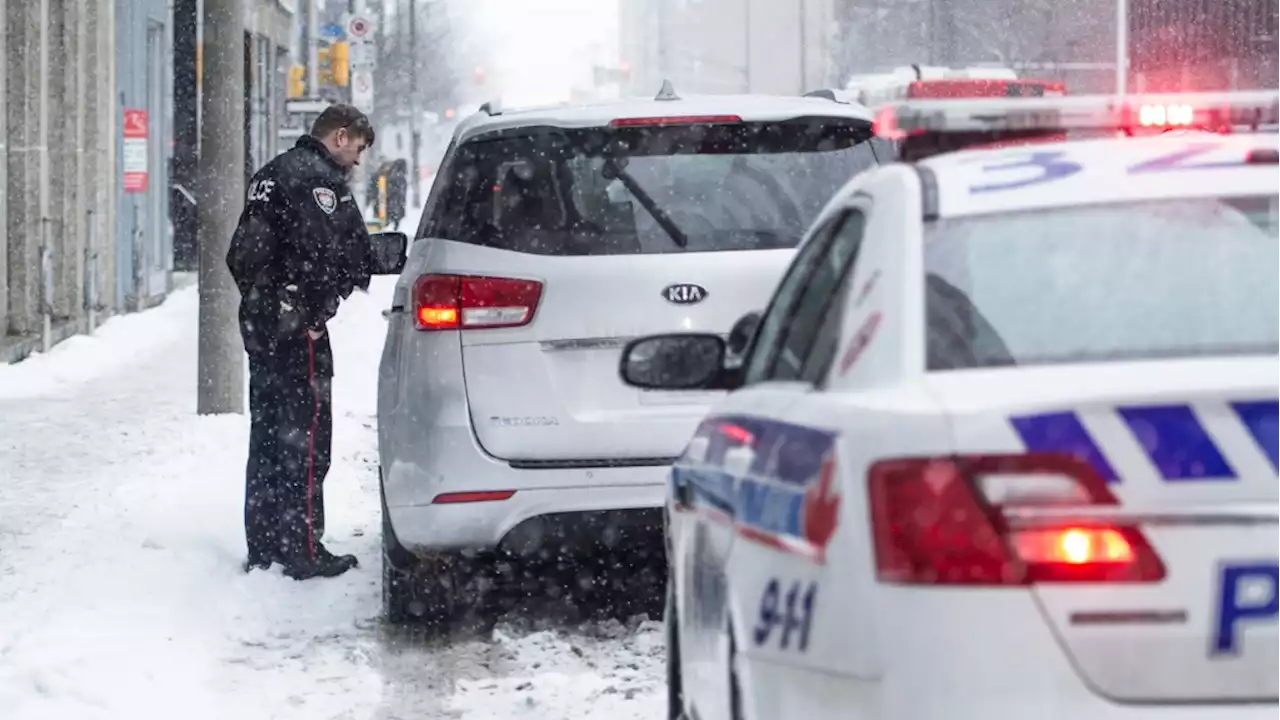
326, 199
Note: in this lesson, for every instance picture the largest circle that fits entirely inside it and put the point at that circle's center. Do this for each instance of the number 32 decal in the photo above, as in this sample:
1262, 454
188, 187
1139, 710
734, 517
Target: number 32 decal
793, 614
1042, 166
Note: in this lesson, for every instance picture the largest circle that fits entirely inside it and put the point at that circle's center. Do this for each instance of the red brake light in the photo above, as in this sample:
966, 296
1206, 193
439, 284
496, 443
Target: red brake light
885, 124
1073, 546
457, 498
675, 120
467, 302
941, 521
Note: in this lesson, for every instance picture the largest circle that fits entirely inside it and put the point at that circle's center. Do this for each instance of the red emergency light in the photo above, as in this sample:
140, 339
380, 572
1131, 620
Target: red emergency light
952, 88
931, 127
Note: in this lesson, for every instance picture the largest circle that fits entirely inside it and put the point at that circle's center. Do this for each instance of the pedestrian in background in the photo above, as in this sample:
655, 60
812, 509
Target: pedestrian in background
301, 248
397, 192
371, 184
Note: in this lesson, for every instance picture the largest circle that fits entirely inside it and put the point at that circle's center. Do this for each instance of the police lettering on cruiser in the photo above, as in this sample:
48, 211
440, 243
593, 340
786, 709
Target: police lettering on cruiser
1248, 593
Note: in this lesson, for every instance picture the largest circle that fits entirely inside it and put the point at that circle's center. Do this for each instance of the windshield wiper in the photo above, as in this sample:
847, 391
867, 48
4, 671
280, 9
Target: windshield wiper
613, 169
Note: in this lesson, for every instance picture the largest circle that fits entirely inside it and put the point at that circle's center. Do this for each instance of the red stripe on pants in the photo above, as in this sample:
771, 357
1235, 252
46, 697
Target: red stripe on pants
311, 448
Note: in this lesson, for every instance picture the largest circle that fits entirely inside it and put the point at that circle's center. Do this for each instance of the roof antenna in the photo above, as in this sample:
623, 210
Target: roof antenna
668, 92
493, 107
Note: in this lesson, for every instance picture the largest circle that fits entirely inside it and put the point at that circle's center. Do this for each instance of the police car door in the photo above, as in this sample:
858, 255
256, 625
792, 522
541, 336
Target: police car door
723, 451
785, 514
815, 611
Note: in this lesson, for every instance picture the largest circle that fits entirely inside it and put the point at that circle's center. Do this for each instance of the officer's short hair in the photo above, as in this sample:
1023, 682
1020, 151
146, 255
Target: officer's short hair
337, 117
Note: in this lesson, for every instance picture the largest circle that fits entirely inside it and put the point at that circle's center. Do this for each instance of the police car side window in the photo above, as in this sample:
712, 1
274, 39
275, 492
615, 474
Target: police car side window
810, 329
765, 344
823, 353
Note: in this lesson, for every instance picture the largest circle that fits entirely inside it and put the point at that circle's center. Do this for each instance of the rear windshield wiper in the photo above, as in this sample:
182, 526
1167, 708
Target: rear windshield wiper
613, 169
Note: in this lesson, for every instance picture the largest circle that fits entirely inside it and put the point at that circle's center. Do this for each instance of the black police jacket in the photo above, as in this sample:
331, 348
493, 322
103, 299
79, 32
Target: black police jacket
301, 246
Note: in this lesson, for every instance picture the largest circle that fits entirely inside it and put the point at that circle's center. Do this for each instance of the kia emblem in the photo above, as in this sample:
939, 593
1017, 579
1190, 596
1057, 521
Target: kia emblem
684, 293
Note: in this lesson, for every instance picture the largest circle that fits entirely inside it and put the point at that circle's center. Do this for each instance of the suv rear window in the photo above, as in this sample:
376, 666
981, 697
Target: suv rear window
640, 190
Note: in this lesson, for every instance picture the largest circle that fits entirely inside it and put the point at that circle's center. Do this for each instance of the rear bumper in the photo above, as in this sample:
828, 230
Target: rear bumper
533, 522
931, 653
565, 508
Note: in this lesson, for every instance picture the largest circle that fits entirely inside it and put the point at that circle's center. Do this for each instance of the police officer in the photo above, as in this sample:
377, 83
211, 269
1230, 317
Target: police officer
301, 248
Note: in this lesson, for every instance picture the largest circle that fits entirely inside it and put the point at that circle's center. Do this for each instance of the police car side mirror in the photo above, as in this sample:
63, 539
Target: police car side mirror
389, 250
682, 361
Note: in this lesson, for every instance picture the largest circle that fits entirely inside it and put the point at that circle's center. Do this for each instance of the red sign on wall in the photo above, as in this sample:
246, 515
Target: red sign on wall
135, 151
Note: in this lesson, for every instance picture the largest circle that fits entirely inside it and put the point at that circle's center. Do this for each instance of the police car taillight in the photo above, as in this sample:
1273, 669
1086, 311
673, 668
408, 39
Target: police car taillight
469, 302
949, 521
929, 127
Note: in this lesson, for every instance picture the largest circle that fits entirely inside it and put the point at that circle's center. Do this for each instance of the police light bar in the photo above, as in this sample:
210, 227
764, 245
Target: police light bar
1213, 112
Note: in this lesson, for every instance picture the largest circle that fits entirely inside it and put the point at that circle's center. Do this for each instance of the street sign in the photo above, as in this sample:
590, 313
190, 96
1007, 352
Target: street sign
362, 90
359, 27
333, 31
362, 56
305, 106
135, 151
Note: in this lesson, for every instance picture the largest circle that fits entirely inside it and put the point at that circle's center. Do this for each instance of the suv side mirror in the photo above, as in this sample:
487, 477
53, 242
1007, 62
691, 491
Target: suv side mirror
742, 332
684, 361
390, 252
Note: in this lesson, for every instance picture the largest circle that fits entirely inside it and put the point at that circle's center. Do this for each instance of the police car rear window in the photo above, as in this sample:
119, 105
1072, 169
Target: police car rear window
639, 190
1122, 281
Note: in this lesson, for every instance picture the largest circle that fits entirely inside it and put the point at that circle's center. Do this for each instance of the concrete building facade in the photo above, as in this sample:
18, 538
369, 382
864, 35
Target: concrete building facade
88, 97
58, 213
727, 46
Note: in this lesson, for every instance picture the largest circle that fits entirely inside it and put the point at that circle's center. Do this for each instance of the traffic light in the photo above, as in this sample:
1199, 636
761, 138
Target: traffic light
340, 63
325, 74
479, 75
297, 81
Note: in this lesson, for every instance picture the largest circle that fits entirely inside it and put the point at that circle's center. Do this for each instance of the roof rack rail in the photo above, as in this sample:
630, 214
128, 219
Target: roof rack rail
667, 92
493, 107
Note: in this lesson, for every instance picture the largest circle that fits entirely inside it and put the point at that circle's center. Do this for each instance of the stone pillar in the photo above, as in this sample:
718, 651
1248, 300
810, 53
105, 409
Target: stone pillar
107, 126
63, 108
4, 174
96, 169
70, 299
25, 114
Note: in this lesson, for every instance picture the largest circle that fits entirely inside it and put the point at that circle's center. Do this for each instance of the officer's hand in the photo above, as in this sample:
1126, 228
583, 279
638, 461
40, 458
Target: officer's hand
315, 334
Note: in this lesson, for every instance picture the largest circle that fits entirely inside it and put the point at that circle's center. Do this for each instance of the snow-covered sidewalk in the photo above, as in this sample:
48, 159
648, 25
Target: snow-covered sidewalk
121, 594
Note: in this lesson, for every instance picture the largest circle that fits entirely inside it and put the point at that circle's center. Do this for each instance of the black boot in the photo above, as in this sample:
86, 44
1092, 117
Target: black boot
325, 564
257, 562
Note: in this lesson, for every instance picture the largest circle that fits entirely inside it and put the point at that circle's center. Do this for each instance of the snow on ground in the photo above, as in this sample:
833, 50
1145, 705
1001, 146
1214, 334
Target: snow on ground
121, 594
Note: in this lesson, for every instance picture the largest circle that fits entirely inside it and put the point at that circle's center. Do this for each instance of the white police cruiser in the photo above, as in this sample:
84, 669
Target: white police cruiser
1004, 443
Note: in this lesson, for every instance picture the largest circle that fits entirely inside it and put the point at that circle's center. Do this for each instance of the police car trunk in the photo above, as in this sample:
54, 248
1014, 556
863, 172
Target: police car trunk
1111, 375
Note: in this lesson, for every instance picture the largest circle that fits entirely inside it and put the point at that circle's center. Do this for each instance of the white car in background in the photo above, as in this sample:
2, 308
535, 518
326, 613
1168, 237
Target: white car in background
550, 238
1004, 445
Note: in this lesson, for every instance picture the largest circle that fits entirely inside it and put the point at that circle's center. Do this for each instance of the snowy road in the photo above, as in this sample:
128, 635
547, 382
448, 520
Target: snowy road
121, 594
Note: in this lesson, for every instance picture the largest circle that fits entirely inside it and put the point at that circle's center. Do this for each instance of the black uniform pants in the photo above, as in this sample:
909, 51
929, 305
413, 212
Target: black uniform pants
290, 438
